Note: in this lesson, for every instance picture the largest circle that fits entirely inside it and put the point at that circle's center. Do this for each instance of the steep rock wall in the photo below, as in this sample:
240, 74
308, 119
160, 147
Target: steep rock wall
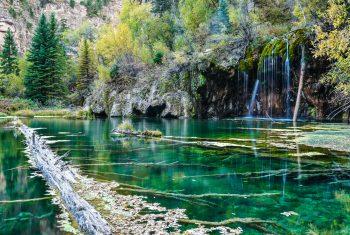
22, 18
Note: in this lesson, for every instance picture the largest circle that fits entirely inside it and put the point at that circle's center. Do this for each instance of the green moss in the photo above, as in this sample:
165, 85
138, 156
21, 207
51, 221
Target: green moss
152, 133
249, 60
276, 47
336, 140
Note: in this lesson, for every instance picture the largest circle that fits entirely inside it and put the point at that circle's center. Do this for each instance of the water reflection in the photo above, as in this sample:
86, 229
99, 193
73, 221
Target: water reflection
19, 215
255, 166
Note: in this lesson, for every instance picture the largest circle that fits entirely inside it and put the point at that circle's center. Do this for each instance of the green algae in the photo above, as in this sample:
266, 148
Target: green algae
173, 172
335, 140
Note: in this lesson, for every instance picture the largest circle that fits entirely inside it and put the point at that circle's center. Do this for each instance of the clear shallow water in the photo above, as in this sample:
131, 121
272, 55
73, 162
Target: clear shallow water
169, 166
36, 217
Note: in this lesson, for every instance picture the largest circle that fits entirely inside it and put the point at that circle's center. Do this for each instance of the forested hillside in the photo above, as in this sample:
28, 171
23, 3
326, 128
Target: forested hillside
177, 58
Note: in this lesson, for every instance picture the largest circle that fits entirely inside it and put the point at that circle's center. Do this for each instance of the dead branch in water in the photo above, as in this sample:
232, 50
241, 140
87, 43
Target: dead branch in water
61, 177
198, 196
26, 200
125, 213
255, 223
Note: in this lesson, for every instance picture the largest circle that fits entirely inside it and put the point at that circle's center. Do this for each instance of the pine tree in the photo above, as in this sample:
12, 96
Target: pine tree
86, 70
161, 6
57, 59
8, 56
42, 79
221, 21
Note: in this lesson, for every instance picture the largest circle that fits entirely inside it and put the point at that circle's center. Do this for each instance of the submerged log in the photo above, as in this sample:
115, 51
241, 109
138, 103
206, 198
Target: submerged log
61, 177
144, 134
125, 213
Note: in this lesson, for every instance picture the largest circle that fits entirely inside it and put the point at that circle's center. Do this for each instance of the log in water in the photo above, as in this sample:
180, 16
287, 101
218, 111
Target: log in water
62, 177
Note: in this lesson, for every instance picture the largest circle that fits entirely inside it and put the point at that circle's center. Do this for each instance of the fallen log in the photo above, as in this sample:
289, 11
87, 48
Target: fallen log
61, 177
82, 197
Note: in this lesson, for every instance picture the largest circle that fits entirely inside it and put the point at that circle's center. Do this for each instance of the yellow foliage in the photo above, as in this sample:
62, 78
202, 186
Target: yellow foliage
114, 42
140, 33
194, 13
103, 73
135, 15
334, 43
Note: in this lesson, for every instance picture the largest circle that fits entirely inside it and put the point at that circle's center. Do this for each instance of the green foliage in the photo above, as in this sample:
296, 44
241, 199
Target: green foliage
8, 55
278, 46
64, 113
45, 63
72, 38
93, 7
220, 23
13, 12
72, 3
140, 33
126, 126
86, 69
9, 105
275, 12
114, 71
11, 85
195, 13
158, 57
333, 42
161, 6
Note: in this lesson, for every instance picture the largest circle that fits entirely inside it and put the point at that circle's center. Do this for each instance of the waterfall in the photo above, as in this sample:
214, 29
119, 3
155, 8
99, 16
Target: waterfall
287, 83
245, 88
245, 82
253, 99
275, 84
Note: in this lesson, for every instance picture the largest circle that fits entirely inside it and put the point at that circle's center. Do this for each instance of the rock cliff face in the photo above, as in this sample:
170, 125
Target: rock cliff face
141, 96
142, 99
155, 92
22, 16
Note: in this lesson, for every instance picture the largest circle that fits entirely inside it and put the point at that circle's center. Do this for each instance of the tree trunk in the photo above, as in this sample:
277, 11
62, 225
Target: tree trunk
301, 81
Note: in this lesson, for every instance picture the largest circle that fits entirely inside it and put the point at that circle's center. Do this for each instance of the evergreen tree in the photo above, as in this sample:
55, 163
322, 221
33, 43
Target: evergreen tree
57, 60
8, 56
86, 70
161, 6
42, 79
221, 20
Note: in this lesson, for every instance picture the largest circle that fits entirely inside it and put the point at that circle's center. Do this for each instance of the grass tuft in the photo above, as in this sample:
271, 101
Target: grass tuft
152, 133
126, 126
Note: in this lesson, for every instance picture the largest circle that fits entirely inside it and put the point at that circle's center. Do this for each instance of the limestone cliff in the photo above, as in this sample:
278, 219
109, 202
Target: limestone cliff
22, 16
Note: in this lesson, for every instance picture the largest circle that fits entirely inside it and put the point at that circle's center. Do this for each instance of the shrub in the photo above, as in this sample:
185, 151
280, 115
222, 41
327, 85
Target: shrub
13, 105
126, 126
72, 3
24, 113
11, 85
12, 12
80, 114
152, 133
65, 113
114, 71
158, 57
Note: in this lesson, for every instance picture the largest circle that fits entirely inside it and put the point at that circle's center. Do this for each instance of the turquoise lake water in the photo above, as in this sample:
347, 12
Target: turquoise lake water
300, 188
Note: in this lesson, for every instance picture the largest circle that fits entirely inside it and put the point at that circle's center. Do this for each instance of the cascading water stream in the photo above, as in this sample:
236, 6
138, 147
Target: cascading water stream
253, 99
287, 83
245, 87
